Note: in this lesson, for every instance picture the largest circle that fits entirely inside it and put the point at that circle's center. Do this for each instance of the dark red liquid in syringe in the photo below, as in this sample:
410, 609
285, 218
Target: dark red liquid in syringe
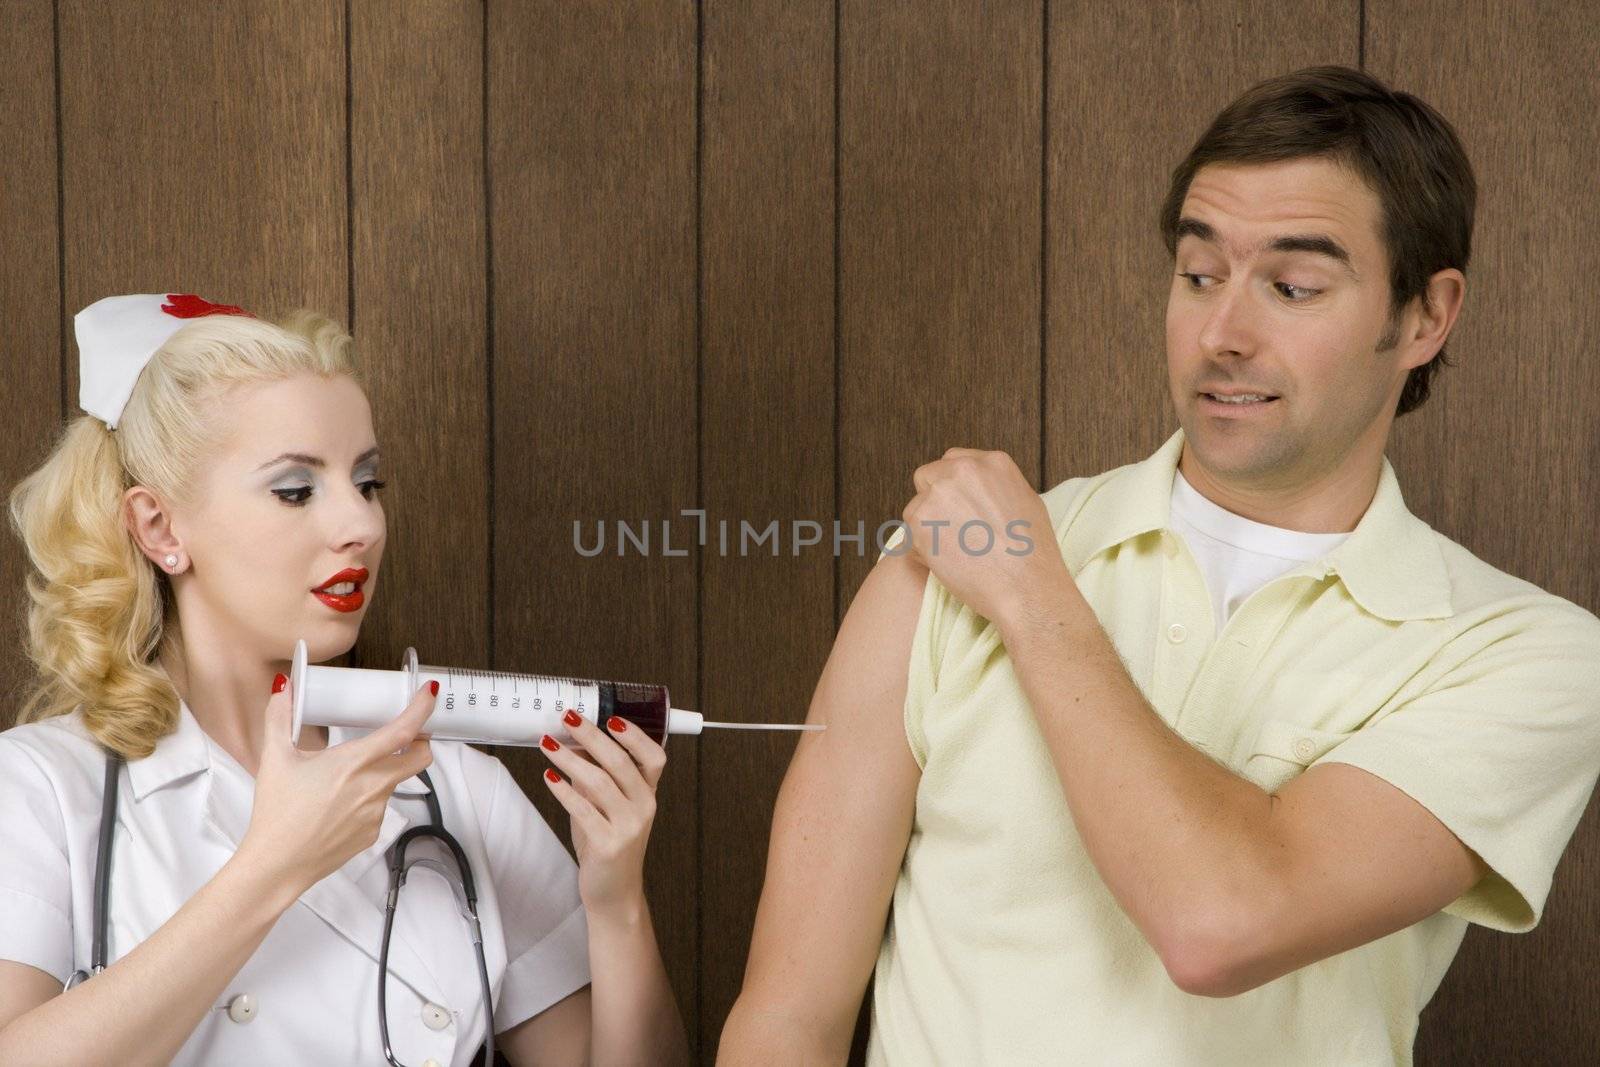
645, 706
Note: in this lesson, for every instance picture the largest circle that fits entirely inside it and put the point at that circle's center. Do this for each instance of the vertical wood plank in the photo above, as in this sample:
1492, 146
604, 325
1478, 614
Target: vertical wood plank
940, 127
1502, 457
767, 437
419, 316
208, 160
592, 190
420, 285
1132, 87
30, 298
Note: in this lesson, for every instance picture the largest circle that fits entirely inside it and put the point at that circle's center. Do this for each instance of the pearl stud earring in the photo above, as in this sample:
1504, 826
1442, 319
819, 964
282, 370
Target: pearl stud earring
172, 561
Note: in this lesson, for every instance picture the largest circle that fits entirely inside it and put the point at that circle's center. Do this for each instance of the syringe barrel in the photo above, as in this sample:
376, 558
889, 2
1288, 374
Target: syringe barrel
478, 707
459, 714
522, 708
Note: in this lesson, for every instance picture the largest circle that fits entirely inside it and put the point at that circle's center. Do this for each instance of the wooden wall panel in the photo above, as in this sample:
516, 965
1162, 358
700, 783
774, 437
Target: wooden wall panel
1503, 457
940, 168
421, 318
210, 160
767, 433
940, 128
593, 372
30, 299
1132, 87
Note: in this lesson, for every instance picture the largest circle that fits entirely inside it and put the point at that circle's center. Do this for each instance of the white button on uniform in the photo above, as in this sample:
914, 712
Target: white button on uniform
1176, 633
435, 1017
1303, 748
242, 1008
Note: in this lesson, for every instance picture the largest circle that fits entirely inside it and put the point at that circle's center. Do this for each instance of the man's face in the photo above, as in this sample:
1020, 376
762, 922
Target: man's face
1302, 322
264, 531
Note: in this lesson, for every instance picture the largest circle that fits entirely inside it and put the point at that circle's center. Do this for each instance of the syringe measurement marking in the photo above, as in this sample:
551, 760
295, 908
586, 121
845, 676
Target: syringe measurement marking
560, 684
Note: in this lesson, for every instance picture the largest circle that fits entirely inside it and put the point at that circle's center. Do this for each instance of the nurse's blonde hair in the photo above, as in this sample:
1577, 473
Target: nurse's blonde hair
99, 608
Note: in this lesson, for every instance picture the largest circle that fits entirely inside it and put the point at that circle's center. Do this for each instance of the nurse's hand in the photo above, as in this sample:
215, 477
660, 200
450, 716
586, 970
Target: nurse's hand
611, 796
314, 810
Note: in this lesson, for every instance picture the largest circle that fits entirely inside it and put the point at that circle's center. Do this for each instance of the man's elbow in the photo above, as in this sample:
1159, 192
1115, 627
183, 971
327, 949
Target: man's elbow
1192, 970
1228, 966
1206, 976
1205, 959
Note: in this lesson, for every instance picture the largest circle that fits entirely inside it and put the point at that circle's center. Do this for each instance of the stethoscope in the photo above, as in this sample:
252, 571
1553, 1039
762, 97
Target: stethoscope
465, 891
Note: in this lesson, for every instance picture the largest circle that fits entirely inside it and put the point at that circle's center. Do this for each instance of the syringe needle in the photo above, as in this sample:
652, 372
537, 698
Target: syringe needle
680, 721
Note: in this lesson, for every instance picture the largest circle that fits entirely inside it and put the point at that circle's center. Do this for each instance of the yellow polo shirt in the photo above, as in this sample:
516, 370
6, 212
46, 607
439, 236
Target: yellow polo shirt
1475, 692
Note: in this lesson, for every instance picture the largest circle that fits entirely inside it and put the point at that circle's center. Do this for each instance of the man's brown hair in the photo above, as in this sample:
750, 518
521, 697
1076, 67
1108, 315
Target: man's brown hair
1404, 150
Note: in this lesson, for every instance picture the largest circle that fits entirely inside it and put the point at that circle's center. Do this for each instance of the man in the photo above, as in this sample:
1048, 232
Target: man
1217, 772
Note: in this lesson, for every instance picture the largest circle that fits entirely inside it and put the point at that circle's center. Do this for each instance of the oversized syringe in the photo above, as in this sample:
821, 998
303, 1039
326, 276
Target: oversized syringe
488, 707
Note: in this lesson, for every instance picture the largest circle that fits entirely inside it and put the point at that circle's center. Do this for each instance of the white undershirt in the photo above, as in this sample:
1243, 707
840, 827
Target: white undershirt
1237, 556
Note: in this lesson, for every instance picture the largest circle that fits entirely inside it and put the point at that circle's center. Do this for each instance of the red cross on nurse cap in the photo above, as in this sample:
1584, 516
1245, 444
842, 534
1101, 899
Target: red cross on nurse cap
118, 335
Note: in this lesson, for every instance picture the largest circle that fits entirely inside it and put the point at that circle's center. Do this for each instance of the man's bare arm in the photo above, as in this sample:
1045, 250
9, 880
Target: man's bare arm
1359, 859
839, 833
1232, 886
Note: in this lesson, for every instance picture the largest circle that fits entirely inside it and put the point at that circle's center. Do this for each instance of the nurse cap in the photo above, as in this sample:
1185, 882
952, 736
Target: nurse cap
118, 335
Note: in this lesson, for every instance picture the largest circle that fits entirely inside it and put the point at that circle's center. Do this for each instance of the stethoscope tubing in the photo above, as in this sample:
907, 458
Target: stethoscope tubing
397, 878
102, 866
102, 874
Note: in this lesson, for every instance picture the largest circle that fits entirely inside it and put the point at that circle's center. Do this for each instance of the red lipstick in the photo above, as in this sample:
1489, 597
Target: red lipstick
345, 602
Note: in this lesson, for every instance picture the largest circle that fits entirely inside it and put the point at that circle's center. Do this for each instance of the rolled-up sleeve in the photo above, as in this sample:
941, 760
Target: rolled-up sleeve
536, 883
1504, 750
35, 883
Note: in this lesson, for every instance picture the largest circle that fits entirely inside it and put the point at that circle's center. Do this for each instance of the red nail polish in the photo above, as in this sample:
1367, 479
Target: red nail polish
435, 687
617, 723
554, 778
550, 744
572, 718
278, 682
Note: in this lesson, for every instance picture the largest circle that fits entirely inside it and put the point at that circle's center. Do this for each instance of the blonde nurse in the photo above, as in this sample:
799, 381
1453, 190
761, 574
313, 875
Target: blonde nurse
218, 502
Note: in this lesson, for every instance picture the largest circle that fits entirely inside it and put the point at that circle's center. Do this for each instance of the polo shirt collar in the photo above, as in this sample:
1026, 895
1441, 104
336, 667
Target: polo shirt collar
1390, 564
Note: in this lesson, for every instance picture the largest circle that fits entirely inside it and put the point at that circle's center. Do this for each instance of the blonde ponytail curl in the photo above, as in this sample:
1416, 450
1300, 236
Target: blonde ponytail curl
99, 609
